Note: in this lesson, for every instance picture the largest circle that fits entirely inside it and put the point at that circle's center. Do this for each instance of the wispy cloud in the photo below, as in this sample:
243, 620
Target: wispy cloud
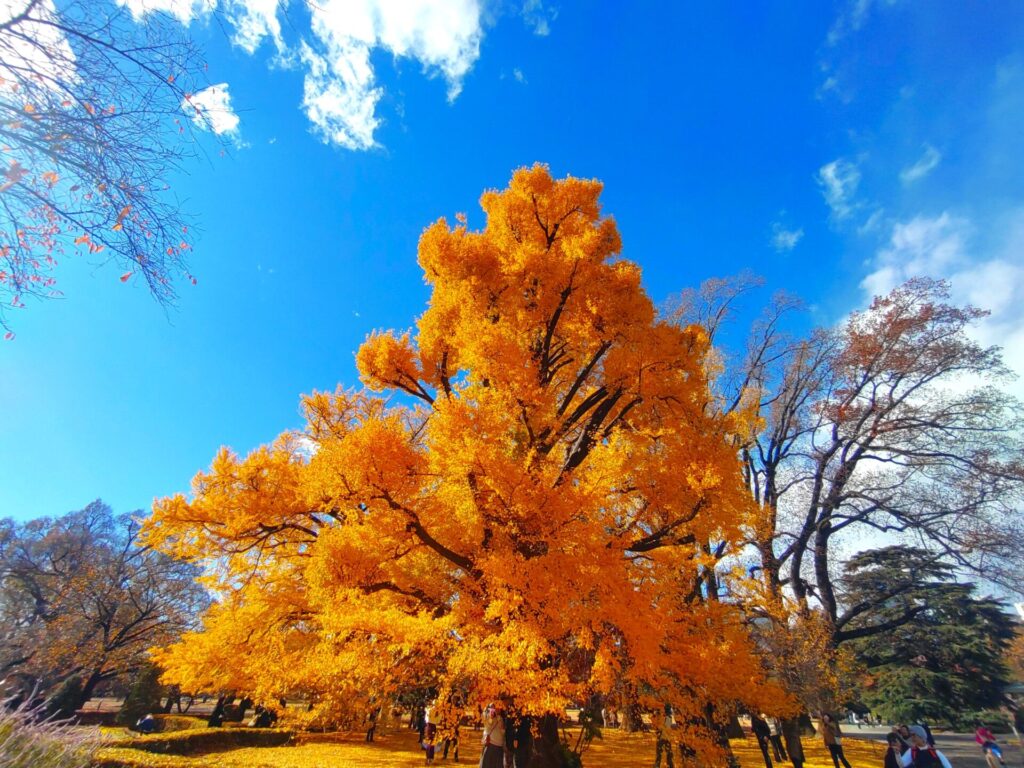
517, 73
839, 181
784, 240
211, 110
929, 162
853, 17
539, 16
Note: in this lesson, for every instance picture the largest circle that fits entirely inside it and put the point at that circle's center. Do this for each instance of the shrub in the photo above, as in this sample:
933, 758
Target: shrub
196, 741
174, 723
28, 742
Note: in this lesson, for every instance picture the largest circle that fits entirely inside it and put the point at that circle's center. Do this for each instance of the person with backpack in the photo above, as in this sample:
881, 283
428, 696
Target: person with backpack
920, 754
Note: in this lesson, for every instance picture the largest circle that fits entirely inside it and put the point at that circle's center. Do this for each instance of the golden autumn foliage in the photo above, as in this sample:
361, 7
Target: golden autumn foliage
524, 510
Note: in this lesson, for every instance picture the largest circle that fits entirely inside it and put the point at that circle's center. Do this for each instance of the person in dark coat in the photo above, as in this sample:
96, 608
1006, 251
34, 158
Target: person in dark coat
763, 734
522, 742
893, 752
794, 746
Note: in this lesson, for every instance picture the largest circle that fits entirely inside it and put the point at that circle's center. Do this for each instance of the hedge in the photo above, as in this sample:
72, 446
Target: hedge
174, 723
195, 741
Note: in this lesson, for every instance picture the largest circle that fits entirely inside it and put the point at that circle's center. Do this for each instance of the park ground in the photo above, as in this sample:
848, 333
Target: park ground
397, 748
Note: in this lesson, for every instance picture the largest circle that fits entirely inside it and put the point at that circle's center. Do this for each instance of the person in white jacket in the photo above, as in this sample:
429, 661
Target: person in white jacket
920, 755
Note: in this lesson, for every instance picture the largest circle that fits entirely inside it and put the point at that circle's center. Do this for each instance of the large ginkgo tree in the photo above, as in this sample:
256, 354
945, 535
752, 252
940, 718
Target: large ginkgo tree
527, 511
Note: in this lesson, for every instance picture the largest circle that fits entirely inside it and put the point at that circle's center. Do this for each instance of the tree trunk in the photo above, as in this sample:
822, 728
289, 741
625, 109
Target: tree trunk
794, 747
721, 737
632, 719
547, 747
216, 719
733, 729
89, 687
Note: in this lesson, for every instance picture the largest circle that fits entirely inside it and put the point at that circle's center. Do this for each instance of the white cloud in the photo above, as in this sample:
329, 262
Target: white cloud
339, 98
253, 21
991, 278
183, 10
838, 181
928, 162
933, 247
341, 90
35, 46
517, 73
785, 239
210, 109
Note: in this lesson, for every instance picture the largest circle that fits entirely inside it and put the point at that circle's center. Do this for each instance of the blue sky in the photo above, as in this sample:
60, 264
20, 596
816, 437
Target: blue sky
834, 149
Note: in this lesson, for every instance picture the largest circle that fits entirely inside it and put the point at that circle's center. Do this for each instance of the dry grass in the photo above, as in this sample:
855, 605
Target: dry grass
398, 749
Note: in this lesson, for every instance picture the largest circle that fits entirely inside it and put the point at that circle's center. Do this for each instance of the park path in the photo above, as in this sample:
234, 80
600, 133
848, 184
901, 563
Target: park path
960, 748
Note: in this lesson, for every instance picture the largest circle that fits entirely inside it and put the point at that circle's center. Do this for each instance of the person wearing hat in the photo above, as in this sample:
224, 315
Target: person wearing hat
920, 754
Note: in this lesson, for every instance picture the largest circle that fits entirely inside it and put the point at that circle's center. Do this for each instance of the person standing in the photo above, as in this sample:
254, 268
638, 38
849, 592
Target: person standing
893, 752
775, 736
833, 738
903, 734
763, 734
920, 754
663, 745
493, 755
522, 742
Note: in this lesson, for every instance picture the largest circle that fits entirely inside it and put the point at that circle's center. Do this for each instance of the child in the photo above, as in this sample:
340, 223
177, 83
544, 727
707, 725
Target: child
429, 736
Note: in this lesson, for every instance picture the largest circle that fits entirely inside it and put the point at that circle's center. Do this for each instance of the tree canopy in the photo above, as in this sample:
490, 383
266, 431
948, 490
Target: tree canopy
944, 663
525, 511
893, 422
91, 108
82, 600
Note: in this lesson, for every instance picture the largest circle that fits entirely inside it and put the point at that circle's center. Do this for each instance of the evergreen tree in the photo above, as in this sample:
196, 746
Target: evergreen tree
144, 696
942, 659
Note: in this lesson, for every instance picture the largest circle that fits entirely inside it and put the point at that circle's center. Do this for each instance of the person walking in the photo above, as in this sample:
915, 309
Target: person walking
775, 736
833, 738
493, 754
987, 740
920, 754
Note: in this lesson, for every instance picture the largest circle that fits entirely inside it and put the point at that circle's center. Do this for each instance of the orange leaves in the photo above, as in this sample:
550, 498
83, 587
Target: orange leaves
15, 172
50, 178
524, 513
386, 360
126, 276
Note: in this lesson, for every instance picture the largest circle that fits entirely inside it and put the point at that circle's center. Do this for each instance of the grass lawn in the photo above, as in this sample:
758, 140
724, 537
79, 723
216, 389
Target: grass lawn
398, 749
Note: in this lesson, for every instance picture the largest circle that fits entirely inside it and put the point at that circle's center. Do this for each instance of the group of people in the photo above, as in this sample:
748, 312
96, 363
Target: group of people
908, 746
506, 742
913, 745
